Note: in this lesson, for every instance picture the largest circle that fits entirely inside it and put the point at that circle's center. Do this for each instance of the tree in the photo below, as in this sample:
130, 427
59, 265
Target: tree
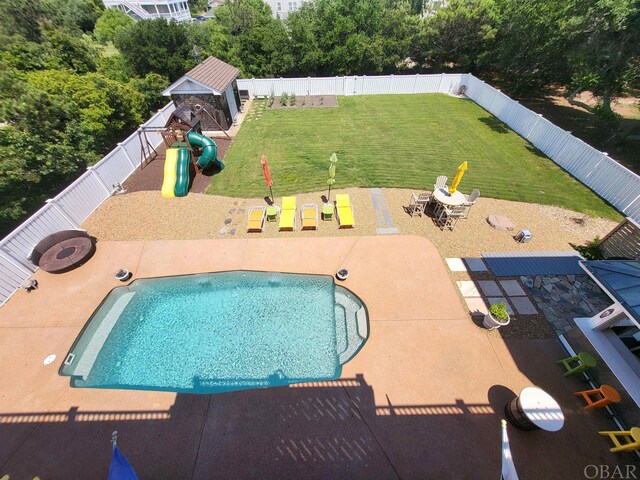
22, 17
155, 46
151, 88
78, 15
530, 51
69, 51
459, 35
604, 36
110, 23
239, 16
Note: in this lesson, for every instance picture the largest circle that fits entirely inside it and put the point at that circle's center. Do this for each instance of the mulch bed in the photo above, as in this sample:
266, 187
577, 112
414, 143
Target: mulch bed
152, 174
310, 101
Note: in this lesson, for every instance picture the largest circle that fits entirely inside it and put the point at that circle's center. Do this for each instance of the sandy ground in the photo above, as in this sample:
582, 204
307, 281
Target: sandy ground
149, 216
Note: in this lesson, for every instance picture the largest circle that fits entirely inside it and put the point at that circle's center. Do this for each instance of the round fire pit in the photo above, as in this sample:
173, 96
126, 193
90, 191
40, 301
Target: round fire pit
342, 274
63, 251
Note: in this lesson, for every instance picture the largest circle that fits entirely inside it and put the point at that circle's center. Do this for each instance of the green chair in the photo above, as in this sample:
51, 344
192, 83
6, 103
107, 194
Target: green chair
578, 364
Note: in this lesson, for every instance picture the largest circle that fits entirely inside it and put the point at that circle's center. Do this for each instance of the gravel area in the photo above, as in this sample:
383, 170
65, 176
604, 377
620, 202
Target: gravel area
146, 215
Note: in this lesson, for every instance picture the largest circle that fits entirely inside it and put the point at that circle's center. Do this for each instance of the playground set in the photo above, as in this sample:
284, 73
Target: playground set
181, 134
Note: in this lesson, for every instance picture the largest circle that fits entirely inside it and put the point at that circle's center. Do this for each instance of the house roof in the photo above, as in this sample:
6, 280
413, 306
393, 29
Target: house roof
621, 278
213, 73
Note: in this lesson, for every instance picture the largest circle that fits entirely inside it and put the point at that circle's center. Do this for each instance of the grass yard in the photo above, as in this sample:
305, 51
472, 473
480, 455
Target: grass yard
400, 141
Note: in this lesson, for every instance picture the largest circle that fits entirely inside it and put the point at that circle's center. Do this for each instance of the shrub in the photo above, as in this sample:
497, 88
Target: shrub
283, 99
292, 100
591, 249
270, 100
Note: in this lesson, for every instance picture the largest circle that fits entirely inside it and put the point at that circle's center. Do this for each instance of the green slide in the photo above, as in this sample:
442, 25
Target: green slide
209, 150
182, 173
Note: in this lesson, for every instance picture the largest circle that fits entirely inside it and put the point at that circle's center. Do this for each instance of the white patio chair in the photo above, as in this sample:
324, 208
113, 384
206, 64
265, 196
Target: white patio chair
449, 216
470, 202
418, 203
441, 182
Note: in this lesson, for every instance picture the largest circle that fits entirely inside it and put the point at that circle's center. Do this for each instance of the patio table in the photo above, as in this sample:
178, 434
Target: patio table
534, 409
443, 196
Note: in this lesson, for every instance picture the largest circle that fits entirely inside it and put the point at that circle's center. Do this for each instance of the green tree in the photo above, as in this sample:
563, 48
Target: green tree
110, 23
155, 46
69, 51
22, 17
530, 51
459, 35
604, 38
78, 15
239, 16
151, 87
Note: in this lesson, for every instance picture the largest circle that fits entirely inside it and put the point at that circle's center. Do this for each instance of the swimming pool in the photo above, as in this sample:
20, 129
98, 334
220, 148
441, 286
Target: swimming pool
217, 332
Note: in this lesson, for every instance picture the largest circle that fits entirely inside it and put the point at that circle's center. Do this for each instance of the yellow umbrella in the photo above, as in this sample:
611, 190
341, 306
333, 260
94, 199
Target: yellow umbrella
456, 181
332, 173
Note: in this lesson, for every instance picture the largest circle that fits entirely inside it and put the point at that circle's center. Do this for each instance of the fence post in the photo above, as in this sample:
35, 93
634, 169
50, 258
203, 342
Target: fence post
104, 185
161, 112
62, 212
391, 80
495, 94
126, 154
440, 83
415, 82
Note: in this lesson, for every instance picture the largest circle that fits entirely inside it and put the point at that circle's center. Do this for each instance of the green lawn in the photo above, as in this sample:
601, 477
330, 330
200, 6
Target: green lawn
396, 141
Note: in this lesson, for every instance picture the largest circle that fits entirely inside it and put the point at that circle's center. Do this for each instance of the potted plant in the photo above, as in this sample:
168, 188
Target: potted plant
497, 317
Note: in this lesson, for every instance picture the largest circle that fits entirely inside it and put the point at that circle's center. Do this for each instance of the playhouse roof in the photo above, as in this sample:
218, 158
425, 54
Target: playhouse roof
213, 74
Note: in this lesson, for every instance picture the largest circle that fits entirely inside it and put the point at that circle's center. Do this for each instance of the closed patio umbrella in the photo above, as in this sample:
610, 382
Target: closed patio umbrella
267, 174
119, 469
332, 173
456, 181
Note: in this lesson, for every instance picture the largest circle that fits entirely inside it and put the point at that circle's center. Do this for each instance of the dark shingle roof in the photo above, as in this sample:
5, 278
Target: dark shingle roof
214, 73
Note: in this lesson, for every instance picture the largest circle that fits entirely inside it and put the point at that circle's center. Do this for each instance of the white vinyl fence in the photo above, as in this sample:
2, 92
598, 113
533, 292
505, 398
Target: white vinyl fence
616, 184
383, 84
72, 206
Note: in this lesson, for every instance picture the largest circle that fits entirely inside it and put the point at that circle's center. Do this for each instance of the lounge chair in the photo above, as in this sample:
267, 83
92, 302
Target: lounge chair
288, 214
344, 210
255, 222
309, 215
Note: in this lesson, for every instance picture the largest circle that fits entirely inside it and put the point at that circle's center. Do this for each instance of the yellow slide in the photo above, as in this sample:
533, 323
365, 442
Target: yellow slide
170, 170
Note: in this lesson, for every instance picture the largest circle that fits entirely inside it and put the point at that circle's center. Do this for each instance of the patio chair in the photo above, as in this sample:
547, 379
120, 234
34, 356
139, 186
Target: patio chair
449, 216
599, 397
309, 216
344, 211
288, 214
578, 364
256, 218
441, 182
470, 202
624, 441
419, 203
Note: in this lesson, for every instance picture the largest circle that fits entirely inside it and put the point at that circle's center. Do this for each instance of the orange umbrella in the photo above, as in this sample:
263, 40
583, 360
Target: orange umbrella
267, 173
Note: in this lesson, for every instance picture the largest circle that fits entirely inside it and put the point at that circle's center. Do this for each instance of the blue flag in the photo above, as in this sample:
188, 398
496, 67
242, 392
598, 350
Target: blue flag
120, 468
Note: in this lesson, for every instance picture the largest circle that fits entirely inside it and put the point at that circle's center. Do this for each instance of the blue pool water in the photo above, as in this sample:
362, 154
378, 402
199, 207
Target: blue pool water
218, 332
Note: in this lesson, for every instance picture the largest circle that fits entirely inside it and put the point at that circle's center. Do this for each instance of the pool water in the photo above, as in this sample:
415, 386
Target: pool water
217, 332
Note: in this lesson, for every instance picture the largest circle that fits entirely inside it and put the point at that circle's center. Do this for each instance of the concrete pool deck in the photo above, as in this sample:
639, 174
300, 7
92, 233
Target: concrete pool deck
422, 399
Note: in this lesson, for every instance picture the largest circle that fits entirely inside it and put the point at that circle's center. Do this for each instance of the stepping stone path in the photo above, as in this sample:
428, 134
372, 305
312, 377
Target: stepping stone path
383, 216
235, 218
565, 297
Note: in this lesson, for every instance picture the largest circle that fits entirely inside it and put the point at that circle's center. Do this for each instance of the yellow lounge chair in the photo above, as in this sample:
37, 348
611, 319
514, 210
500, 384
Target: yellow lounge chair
309, 215
288, 214
344, 211
256, 219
